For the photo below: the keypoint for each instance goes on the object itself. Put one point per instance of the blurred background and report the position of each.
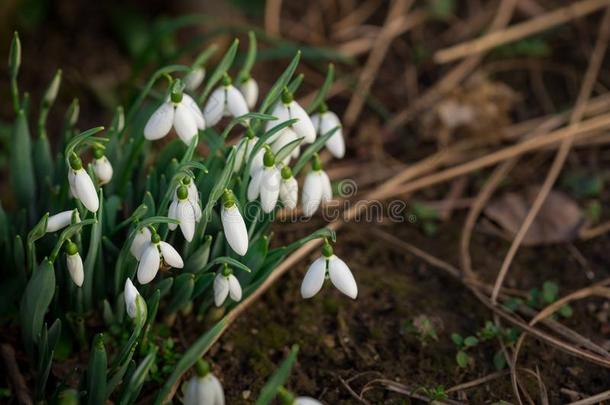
(409, 97)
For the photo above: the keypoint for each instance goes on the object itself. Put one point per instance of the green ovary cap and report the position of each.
(71, 248)
(226, 80)
(75, 162)
(269, 157)
(155, 238)
(182, 192)
(287, 96)
(286, 173)
(202, 368)
(327, 249)
(176, 91)
(228, 198)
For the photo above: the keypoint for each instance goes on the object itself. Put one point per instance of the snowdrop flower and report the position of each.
(316, 189)
(140, 242)
(326, 121)
(194, 78)
(287, 109)
(186, 211)
(226, 100)
(179, 111)
(288, 398)
(289, 189)
(74, 263)
(203, 388)
(61, 220)
(233, 224)
(244, 151)
(226, 284)
(101, 166)
(150, 261)
(266, 183)
(81, 185)
(131, 295)
(328, 265)
(249, 89)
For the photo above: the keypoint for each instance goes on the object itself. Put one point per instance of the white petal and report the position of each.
(255, 185)
(160, 122)
(250, 91)
(234, 288)
(219, 395)
(342, 277)
(257, 162)
(296, 152)
(315, 121)
(289, 193)
(130, 294)
(327, 190)
(214, 108)
(221, 289)
(85, 190)
(312, 193)
(149, 264)
(303, 127)
(75, 267)
(197, 209)
(282, 114)
(306, 401)
(194, 78)
(186, 216)
(235, 229)
(59, 221)
(71, 180)
(314, 278)
(172, 213)
(336, 144)
(286, 136)
(193, 193)
(191, 393)
(236, 104)
(103, 170)
(140, 242)
(270, 188)
(170, 255)
(185, 123)
(240, 154)
(197, 114)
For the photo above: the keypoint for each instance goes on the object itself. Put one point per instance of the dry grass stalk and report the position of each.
(519, 31)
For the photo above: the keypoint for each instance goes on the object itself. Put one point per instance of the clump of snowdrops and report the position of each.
(113, 233)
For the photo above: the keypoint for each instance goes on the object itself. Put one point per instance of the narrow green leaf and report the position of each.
(226, 260)
(313, 148)
(276, 90)
(223, 66)
(181, 292)
(22, 168)
(96, 372)
(244, 73)
(134, 386)
(321, 96)
(287, 149)
(95, 246)
(278, 378)
(199, 259)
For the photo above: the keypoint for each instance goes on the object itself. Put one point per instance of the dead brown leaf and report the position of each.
(559, 220)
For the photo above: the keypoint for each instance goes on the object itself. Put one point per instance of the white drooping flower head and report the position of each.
(288, 398)
(74, 263)
(186, 210)
(225, 285)
(325, 121)
(317, 188)
(152, 254)
(226, 100)
(179, 111)
(249, 89)
(194, 78)
(233, 224)
(101, 166)
(61, 220)
(244, 152)
(81, 185)
(289, 189)
(203, 388)
(131, 295)
(287, 109)
(265, 183)
(328, 265)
